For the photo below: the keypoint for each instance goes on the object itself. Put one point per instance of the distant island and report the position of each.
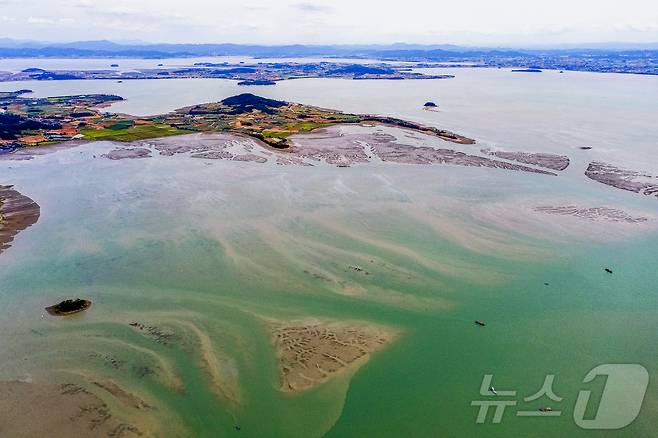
(257, 82)
(256, 74)
(610, 58)
(526, 70)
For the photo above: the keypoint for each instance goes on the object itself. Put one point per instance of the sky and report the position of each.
(467, 22)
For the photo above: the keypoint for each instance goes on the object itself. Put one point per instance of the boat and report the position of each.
(480, 323)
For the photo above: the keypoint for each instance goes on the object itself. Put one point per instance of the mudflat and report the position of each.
(17, 212)
(310, 352)
(63, 410)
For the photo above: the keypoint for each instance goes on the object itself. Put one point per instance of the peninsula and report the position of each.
(30, 122)
(211, 130)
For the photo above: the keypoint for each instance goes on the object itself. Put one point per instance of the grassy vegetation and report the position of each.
(121, 125)
(308, 126)
(294, 128)
(345, 118)
(133, 133)
(277, 134)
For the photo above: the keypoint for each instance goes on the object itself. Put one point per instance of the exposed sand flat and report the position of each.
(224, 381)
(213, 155)
(192, 339)
(162, 369)
(548, 161)
(336, 146)
(124, 153)
(17, 212)
(211, 146)
(331, 146)
(250, 157)
(291, 160)
(344, 149)
(592, 213)
(163, 336)
(390, 151)
(57, 411)
(310, 352)
(200, 142)
(624, 179)
(126, 398)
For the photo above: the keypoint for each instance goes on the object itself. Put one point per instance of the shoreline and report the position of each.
(330, 145)
(17, 212)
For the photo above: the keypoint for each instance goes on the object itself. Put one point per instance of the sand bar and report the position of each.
(310, 352)
(17, 212)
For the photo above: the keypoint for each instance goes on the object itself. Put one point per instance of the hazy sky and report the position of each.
(492, 22)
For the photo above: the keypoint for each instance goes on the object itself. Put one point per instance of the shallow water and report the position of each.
(208, 250)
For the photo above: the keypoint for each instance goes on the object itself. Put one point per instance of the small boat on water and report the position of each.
(493, 390)
(480, 323)
(608, 270)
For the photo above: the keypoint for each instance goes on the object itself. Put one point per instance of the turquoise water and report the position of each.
(211, 250)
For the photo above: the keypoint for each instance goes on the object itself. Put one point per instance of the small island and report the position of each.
(430, 105)
(257, 82)
(527, 70)
(69, 307)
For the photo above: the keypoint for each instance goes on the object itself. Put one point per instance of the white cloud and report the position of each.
(50, 21)
(334, 21)
(312, 7)
(40, 20)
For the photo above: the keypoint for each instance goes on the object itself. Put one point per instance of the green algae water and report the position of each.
(187, 259)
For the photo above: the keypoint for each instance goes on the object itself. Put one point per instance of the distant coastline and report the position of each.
(256, 74)
(633, 59)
